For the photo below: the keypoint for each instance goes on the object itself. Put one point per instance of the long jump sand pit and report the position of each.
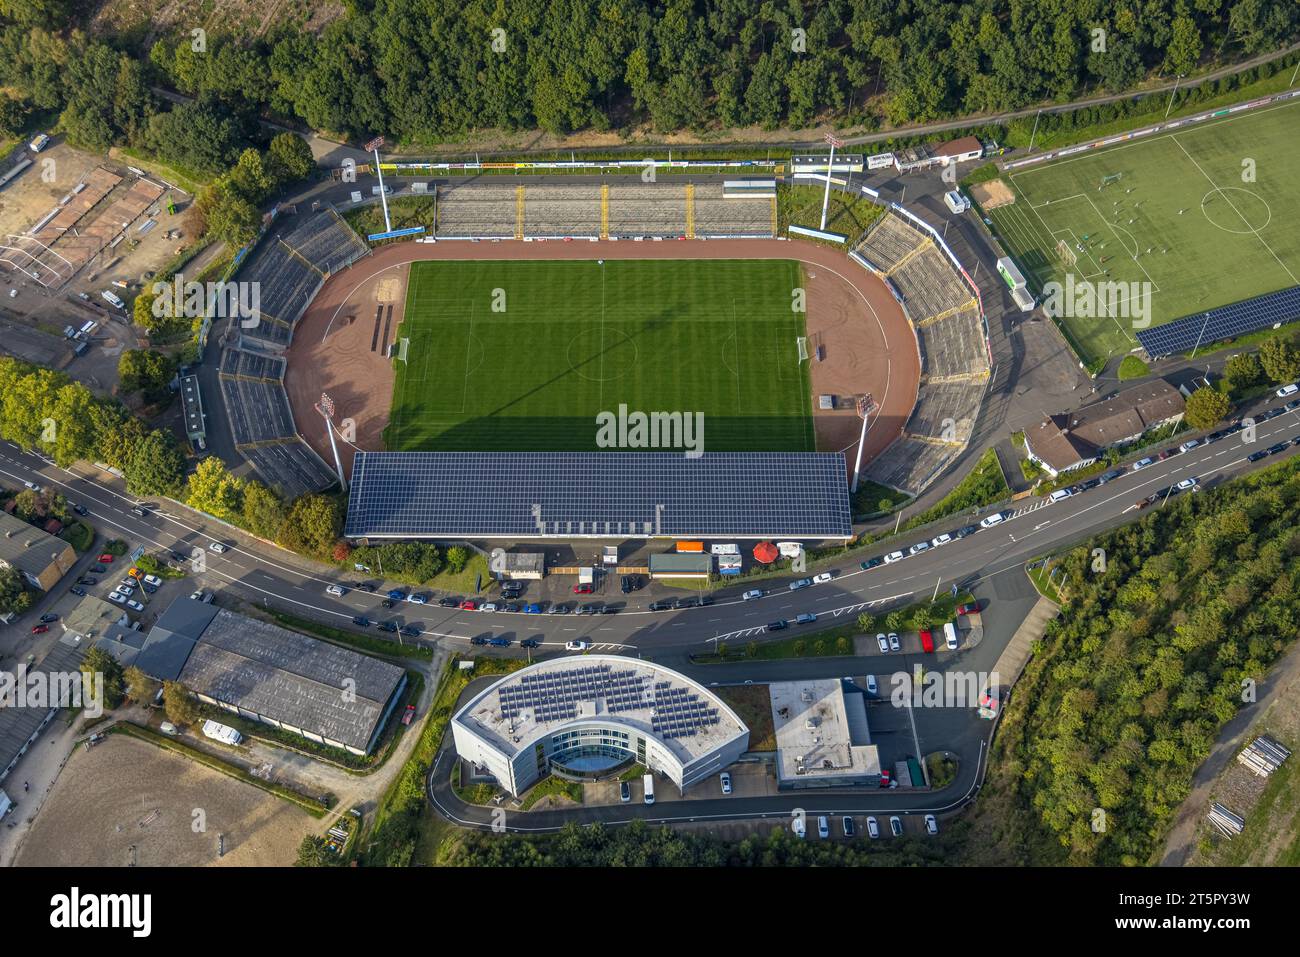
(128, 802)
(992, 194)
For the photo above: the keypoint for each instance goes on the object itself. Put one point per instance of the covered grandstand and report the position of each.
(946, 315)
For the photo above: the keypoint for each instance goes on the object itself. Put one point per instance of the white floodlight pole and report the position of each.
(326, 409)
(830, 166)
(864, 407)
(383, 199)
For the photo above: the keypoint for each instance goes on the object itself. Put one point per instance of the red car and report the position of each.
(40, 629)
(106, 559)
(584, 589)
(927, 641)
(410, 713)
(969, 608)
(469, 604)
(884, 779)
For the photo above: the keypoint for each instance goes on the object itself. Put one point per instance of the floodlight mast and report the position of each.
(830, 166)
(866, 405)
(373, 147)
(326, 408)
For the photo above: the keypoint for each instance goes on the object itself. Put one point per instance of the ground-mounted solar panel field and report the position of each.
(523, 356)
(1206, 214)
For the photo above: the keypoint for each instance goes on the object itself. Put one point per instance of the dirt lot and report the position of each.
(127, 802)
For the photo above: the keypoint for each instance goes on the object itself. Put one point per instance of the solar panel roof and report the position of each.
(598, 494)
(1249, 315)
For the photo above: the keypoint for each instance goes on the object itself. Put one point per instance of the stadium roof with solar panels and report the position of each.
(747, 495)
(683, 715)
(1249, 315)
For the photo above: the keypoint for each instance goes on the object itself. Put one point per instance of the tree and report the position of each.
(313, 525)
(212, 489)
(14, 596)
(922, 618)
(866, 621)
(155, 465)
(289, 158)
(1206, 408)
(13, 114)
(230, 217)
(1242, 371)
(139, 686)
(894, 620)
(1280, 361)
(263, 512)
(457, 558)
(315, 852)
(104, 677)
(178, 704)
(145, 371)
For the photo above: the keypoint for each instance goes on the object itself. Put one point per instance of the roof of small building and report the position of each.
(27, 548)
(964, 144)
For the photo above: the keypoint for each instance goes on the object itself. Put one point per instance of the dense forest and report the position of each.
(421, 71)
(1161, 642)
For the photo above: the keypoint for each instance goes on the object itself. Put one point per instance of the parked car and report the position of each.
(469, 604)
(823, 578)
(872, 563)
(625, 792)
(777, 625)
(873, 829)
(940, 540)
(49, 617)
(997, 518)
(849, 829)
(1279, 447)
(361, 621)
(40, 629)
(488, 606)
(397, 594)
(893, 641)
(883, 642)
(105, 559)
(416, 598)
(969, 608)
(448, 602)
(801, 583)
(966, 531)
(513, 608)
(752, 594)
(559, 608)
(872, 687)
(931, 825)
(366, 587)
(408, 714)
(1109, 476)
(584, 589)
(895, 825)
(894, 557)
(411, 631)
(1060, 495)
(530, 643)
(1187, 484)
(77, 590)
(97, 569)
(807, 618)
(478, 640)
(823, 827)
(216, 547)
(1189, 445)
(338, 591)
(1140, 464)
(577, 645)
(1287, 390)
(660, 605)
(87, 581)
(152, 580)
(927, 640)
(499, 642)
(80, 509)
(918, 548)
(725, 780)
(203, 596)
(134, 605)
(533, 608)
(388, 626)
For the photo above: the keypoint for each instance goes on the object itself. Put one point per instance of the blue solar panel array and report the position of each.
(1250, 315)
(554, 696)
(598, 494)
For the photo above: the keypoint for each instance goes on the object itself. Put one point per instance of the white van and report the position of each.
(956, 202)
(648, 783)
(950, 636)
(111, 298)
(167, 728)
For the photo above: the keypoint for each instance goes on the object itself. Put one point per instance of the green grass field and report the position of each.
(1186, 215)
(522, 356)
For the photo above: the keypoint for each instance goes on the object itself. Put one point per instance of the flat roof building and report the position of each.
(589, 715)
(266, 673)
(524, 495)
(822, 737)
(38, 556)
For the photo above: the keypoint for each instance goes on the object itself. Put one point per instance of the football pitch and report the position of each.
(1206, 214)
(523, 356)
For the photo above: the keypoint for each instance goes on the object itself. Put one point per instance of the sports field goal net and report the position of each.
(1065, 253)
(802, 343)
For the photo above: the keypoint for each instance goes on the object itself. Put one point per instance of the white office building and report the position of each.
(585, 717)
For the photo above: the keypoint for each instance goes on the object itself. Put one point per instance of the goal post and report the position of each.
(1112, 178)
(1066, 254)
(802, 343)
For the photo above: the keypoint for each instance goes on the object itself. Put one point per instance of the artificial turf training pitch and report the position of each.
(1207, 214)
(523, 356)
